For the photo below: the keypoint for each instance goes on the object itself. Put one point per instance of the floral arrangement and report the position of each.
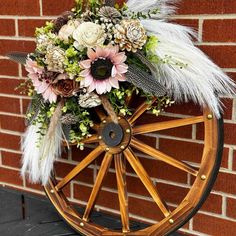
(100, 53)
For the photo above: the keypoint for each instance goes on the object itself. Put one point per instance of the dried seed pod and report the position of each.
(109, 13)
(61, 20)
(69, 119)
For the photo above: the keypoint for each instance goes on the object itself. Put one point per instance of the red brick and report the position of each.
(230, 133)
(10, 176)
(225, 158)
(11, 105)
(81, 192)
(194, 24)
(134, 185)
(183, 132)
(7, 46)
(185, 109)
(20, 7)
(8, 86)
(25, 104)
(62, 169)
(161, 170)
(226, 183)
(11, 159)
(108, 199)
(65, 154)
(213, 226)
(223, 56)
(231, 207)
(24, 72)
(145, 209)
(78, 155)
(27, 27)
(37, 187)
(8, 68)
(234, 160)
(232, 76)
(105, 198)
(227, 107)
(213, 204)
(51, 7)
(7, 27)
(177, 149)
(219, 30)
(171, 193)
(9, 141)
(187, 234)
(207, 7)
(12, 123)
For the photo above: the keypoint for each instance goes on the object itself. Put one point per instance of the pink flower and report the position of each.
(41, 85)
(104, 69)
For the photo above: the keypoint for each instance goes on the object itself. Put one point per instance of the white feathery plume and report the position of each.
(50, 151)
(201, 81)
(51, 145)
(38, 161)
(166, 7)
(31, 153)
(169, 31)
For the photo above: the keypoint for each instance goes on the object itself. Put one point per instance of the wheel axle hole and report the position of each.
(112, 134)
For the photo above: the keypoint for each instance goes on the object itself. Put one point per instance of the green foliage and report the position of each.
(172, 61)
(139, 15)
(150, 47)
(118, 97)
(80, 130)
(26, 88)
(159, 105)
(45, 29)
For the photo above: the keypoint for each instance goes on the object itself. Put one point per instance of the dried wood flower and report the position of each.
(55, 58)
(65, 87)
(130, 35)
(89, 100)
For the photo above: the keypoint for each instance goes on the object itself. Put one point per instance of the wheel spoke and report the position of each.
(146, 180)
(158, 126)
(140, 110)
(122, 191)
(128, 99)
(92, 139)
(97, 186)
(95, 127)
(162, 157)
(102, 116)
(81, 166)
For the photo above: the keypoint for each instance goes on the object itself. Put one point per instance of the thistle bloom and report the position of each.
(41, 86)
(104, 69)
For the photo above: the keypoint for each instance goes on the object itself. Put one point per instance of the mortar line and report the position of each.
(16, 28)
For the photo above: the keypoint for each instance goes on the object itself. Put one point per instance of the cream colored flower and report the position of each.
(67, 30)
(89, 35)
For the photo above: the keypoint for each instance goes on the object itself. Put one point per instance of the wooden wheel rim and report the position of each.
(172, 220)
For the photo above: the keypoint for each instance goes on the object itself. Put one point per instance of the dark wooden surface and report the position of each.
(41, 219)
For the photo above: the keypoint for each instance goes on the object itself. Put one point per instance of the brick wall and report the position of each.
(215, 21)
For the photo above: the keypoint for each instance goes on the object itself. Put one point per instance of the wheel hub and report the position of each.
(114, 138)
(112, 134)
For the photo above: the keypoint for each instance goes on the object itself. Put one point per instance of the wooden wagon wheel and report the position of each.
(118, 142)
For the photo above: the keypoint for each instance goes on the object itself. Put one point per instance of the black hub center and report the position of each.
(112, 134)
